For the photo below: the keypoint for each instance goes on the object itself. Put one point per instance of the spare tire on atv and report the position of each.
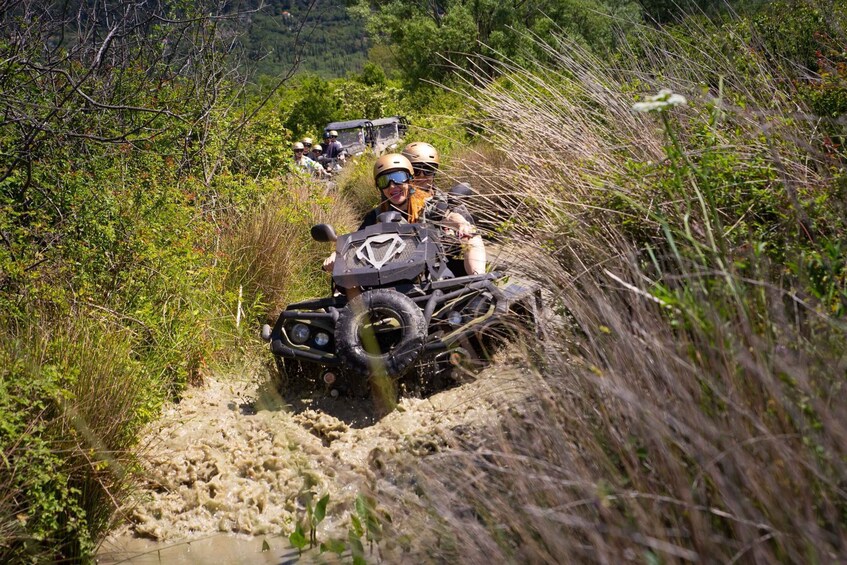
(381, 331)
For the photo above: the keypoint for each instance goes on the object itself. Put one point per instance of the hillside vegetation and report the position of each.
(319, 35)
(691, 404)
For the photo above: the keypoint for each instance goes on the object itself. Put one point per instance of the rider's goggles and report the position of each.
(397, 177)
(425, 171)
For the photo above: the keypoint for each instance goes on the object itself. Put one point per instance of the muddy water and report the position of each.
(232, 466)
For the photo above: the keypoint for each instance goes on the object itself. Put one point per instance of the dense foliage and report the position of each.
(433, 39)
(146, 192)
(126, 162)
(688, 217)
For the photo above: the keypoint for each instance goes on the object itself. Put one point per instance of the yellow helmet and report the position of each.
(420, 153)
(392, 162)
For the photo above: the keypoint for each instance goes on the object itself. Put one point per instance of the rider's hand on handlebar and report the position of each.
(459, 225)
(329, 263)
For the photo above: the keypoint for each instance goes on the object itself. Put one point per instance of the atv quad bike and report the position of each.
(413, 317)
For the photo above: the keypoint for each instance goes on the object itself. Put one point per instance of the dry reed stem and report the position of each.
(710, 429)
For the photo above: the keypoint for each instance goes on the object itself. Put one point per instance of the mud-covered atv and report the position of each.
(413, 319)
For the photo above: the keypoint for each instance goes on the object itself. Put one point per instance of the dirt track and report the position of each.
(234, 458)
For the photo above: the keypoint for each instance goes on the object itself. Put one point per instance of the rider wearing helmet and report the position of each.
(437, 208)
(316, 153)
(332, 147)
(392, 176)
(304, 162)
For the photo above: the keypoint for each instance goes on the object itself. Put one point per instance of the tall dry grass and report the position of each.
(270, 253)
(691, 407)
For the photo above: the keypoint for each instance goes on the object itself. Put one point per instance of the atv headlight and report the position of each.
(454, 318)
(321, 339)
(299, 333)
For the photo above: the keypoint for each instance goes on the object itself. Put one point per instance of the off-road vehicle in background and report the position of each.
(378, 135)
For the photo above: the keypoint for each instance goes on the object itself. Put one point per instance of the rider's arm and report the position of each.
(474, 255)
(472, 244)
(314, 167)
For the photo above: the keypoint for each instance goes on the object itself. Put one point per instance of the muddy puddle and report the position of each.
(231, 468)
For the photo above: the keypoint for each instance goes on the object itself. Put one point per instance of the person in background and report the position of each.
(333, 149)
(316, 154)
(305, 163)
(307, 145)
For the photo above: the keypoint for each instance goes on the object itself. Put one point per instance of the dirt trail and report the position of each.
(235, 459)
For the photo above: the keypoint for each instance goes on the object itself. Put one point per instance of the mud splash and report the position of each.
(231, 468)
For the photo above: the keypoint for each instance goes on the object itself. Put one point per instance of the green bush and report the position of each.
(269, 255)
(72, 400)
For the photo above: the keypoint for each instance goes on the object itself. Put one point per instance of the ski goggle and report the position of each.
(397, 177)
(425, 171)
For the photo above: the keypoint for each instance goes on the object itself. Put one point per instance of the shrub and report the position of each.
(269, 253)
(67, 463)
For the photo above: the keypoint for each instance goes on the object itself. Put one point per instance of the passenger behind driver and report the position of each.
(470, 258)
(393, 177)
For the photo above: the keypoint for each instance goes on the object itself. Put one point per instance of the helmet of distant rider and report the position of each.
(317, 147)
(422, 155)
(307, 141)
(297, 146)
(392, 162)
(333, 133)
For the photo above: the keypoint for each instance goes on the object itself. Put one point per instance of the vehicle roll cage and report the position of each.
(378, 134)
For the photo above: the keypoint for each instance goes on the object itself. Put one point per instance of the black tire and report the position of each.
(380, 332)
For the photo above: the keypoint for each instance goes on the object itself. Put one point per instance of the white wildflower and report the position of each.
(658, 103)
